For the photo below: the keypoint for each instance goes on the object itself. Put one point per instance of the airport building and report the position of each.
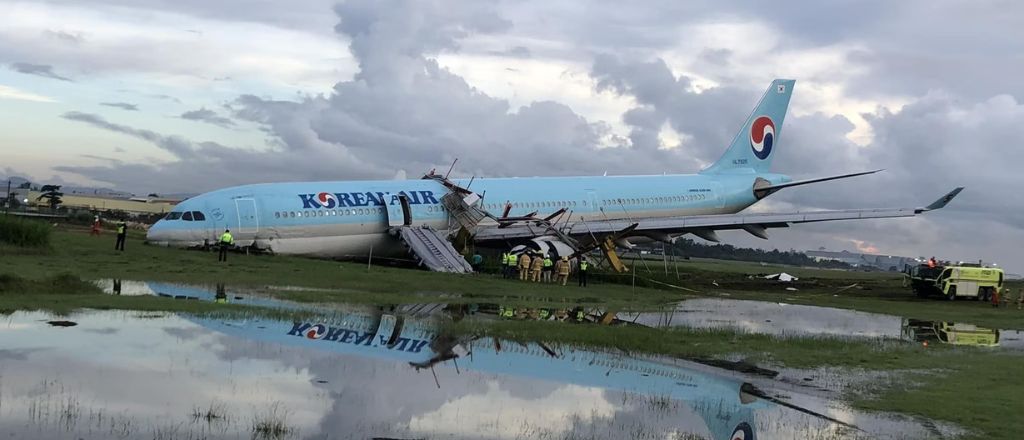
(130, 205)
(890, 263)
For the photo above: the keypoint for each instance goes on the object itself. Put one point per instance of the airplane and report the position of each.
(353, 219)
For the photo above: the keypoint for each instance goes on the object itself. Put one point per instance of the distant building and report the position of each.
(133, 205)
(890, 263)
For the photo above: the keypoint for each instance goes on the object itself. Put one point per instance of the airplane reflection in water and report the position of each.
(727, 404)
(743, 316)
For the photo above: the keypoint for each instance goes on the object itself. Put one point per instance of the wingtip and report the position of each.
(944, 200)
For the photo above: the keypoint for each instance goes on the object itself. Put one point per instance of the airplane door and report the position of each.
(406, 209)
(248, 220)
(400, 214)
(592, 200)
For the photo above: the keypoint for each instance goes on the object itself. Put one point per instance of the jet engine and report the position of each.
(552, 246)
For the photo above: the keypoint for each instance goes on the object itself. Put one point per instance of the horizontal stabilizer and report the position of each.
(766, 190)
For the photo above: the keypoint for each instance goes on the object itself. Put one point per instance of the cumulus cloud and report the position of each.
(209, 117)
(122, 105)
(43, 70)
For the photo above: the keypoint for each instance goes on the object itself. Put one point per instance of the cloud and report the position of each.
(63, 36)
(176, 145)
(43, 70)
(122, 105)
(7, 92)
(209, 117)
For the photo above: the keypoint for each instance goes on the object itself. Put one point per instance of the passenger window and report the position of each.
(198, 216)
(291, 214)
(277, 214)
(187, 216)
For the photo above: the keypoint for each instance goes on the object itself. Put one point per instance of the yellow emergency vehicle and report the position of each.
(952, 282)
(952, 333)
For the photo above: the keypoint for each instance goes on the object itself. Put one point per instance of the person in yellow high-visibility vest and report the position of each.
(582, 274)
(122, 235)
(225, 241)
(504, 264)
(513, 263)
(548, 268)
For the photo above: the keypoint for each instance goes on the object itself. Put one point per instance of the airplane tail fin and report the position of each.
(755, 144)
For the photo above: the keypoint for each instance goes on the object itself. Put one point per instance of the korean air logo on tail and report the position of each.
(762, 136)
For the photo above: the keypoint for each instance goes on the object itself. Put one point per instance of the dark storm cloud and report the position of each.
(209, 117)
(711, 117)
(43, 70)
(122, 105)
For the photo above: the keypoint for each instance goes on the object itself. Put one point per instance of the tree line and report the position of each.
(689, 248)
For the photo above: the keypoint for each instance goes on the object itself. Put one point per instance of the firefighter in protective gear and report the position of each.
(549, 267)
(584, 266)
(225, 240)
(535, 267)
(563, 270)
(524, 267)
(504, 264)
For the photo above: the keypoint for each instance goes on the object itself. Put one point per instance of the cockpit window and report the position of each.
(198, 216)
(173, 215)
(187, 216)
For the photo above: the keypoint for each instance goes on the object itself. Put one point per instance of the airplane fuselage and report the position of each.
(349, 218)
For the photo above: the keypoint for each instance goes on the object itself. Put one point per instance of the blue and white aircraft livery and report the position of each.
(345, 219)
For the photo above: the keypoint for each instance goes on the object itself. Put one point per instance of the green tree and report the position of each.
(52, 195)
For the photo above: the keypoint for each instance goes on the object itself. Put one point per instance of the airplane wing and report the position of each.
(662, 228)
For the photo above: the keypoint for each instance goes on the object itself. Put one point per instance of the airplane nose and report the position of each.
(157, 233)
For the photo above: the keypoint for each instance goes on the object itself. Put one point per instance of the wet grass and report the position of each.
(77, 253)
(979, 391)
(272, 424)
(215, 412)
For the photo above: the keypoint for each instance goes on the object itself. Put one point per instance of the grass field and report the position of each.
(982, 381)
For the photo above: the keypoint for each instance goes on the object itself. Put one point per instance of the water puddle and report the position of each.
(219, 293)
(378, 375)
(779, 319)
(783, 319)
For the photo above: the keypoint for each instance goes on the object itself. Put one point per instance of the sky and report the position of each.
(187, 96)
